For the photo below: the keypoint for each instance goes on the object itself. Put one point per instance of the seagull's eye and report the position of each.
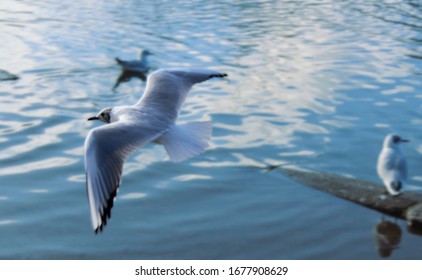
(102, 114)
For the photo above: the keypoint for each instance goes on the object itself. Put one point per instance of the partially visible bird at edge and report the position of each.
(392, 165)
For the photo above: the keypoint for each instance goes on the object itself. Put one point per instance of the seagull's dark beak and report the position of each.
(404, 140)
(92, 118)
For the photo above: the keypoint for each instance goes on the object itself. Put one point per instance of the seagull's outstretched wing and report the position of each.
(167, 89)
(106, 149)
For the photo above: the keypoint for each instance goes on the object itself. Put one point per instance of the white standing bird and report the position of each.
(392, 167)
(129, 127)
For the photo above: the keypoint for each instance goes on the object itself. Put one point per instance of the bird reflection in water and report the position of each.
(126, 76)
(387, 237)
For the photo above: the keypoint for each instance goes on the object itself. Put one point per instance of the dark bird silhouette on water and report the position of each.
(387, 237)
(133, 68)
(126, 76)
(6, 76)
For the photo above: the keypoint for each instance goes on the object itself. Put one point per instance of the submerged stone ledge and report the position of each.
(407, 205)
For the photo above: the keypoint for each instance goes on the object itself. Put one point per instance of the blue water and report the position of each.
(313, 83)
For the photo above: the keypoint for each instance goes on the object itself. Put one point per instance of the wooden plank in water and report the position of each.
(407, 205)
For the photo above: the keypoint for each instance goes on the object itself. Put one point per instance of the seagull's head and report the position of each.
(104, 116)
(393, 140)
(145, 53)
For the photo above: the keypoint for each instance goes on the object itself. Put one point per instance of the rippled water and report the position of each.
(306, 78)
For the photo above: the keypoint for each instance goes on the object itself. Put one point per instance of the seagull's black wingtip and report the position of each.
(99, 229)
(218, 75)
(106, 212)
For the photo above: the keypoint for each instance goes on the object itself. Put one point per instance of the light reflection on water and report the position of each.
(306, 78)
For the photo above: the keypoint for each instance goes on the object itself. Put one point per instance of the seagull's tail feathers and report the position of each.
(119, 61)
(394, 187)
(183, 141)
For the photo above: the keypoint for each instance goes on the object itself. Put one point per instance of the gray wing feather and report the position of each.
(398, 168)
(167, 88)
(106, 149)
(392, 167)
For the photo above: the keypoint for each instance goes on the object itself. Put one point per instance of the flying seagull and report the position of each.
(129, 127)
(392, 167)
